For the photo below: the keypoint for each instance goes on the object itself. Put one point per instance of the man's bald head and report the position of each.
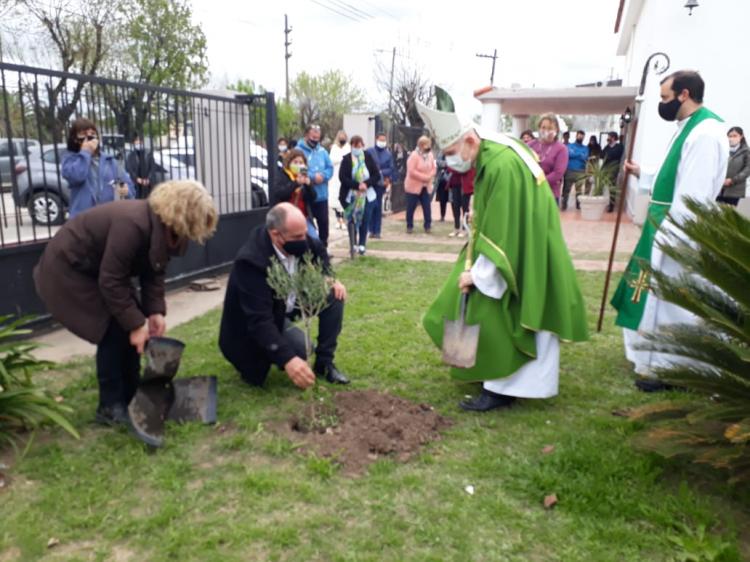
(283, 217)
(285, 223)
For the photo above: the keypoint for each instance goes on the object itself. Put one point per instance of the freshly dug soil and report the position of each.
(358, 427)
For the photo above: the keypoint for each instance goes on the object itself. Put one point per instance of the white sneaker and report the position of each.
(362, 250)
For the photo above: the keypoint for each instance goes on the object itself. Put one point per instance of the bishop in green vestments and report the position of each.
(522, 286)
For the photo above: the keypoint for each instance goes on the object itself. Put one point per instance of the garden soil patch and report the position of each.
(356, 428)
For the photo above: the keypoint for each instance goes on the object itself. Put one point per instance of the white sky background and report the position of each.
(542, 43)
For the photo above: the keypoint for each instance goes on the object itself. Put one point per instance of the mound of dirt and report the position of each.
(358, 427)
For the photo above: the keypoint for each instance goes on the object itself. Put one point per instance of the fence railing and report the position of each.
(224, 140)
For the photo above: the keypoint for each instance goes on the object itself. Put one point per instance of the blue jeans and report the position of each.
(377, 213)
(411, 203)
(366, 221)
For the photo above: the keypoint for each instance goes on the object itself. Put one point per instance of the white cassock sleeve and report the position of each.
(487, 278)
(701, 173)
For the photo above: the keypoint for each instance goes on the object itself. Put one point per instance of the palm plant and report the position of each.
(598, 177)
(23, 405)
(711, 425)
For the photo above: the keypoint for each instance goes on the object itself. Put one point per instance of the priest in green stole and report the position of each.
(522, 287)
(695, 166)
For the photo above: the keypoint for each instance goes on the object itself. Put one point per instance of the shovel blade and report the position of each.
(149, 408)
(194, 400)
(460, 343)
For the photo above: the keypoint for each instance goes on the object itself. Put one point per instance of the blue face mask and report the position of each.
(357, 152)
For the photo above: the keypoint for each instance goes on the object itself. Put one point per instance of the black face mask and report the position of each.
(669, 110)
(579, 141)
(342, 142)
(296, 248)
(312, 143)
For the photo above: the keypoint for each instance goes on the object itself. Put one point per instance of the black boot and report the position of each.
(114, 415)
(331, 374)
(487, 401)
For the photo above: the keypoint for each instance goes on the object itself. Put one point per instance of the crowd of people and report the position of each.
(122, 226)
(565, 163)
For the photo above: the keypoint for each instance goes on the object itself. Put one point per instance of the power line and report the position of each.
(379, 9)
(494, 58)
(335, 11)
(357, 11)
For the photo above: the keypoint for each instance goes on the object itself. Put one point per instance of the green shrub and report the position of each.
(711, 424)
(23, 405)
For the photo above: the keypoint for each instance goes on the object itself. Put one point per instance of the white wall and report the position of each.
(713, 41)
(362, 124)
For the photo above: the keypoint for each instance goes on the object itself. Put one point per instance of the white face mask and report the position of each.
(282, 148)
(456, 163)
(380, 144)
(733, 144)
(546, 135)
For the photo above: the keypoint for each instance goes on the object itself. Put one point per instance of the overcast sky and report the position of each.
(547, 43)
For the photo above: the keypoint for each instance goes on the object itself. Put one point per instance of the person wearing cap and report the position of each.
(521, 286)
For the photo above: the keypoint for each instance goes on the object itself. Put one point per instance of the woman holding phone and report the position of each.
(93, 177)
(294, 186)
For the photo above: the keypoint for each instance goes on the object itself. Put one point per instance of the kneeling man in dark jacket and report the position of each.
(256, 326)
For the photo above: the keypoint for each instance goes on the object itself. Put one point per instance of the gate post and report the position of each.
(271, 140)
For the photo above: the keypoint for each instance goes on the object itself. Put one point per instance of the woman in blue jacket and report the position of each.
(93, 178)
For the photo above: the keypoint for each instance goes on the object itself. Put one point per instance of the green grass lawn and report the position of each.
(237, 491)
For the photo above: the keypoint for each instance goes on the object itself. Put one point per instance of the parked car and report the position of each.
(41, 187)
(19, 149)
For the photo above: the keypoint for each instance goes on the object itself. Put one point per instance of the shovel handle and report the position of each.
(462, 307)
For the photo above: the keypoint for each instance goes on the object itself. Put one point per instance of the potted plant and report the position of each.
(597, 180)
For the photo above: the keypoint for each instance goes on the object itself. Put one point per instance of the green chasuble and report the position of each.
(516, 225)
(630, 298)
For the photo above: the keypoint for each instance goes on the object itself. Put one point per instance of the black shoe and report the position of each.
(611, 208)
(112, 416)
(487, 401)
(331, 374)
(655, 385)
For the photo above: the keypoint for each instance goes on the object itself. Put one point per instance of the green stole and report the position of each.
(632, 292)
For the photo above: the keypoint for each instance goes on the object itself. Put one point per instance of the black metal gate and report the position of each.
(224, 140)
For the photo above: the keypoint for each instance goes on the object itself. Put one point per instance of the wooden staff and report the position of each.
(658, 69)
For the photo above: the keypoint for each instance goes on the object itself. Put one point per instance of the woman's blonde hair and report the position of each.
(186, 207)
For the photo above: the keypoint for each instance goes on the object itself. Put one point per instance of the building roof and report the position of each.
(568, 101)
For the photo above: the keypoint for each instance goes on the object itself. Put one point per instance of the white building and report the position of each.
(713, 41)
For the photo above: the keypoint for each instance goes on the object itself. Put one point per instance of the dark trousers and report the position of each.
(411, 204)
(728, 200)
(570, 179)
(376, 221)
(459, 203)
(320, 212)
(366, 224)
(443, 196)
(118, 367)
(255, 365)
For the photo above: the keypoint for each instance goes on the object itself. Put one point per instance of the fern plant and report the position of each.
(23, 405)
(711, 425)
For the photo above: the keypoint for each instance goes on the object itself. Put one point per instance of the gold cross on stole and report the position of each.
(640, 285)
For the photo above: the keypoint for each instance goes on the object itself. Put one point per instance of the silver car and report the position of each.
(41, 186)
(18, 149)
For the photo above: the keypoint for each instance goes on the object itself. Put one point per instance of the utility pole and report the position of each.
(390, 99)
(287, 54)
(494, 58)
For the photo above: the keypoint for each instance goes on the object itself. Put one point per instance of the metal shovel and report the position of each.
(460, 341)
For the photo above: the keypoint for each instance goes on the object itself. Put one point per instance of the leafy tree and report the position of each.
(711, 424)
(159, 46)
(288, 120)
(324, 99)
(78, 37)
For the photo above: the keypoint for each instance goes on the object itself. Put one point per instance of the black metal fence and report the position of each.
(225, 141)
